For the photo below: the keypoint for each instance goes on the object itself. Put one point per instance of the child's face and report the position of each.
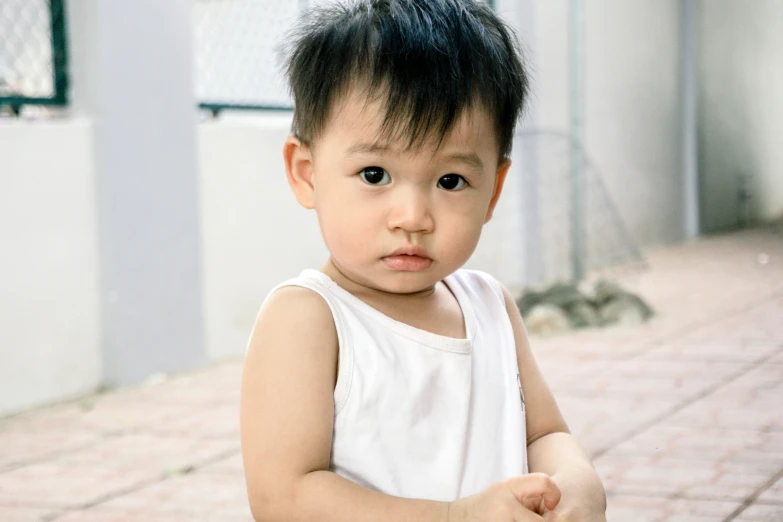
(394, 220)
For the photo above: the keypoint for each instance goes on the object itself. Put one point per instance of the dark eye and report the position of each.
(452, 182)
(375, 176)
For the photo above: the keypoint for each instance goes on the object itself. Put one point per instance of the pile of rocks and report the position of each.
(564, 307)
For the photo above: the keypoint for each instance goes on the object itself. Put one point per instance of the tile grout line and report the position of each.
(642, 493)
(695, 325)
(101, 437)
(753, 497)
(143, 484)
(704, 393)
(670, 337)
(685, 403)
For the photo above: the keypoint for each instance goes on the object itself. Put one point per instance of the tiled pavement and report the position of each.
(683, 415)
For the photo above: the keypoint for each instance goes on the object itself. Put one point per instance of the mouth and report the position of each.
(410, 258)
(409, 250)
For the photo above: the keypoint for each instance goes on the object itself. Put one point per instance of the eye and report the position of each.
(452, 182)
(375, 176)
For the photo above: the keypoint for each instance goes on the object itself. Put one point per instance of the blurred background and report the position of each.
(144, 211)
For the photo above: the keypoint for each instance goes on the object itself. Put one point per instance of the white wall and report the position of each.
(255, 234)
(632, 137)
(500, 247)
(741, 129)
(138, 92)
(49, 327)
(633, 112)
(632, 123)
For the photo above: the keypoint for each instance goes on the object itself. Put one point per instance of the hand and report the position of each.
(570, 514)
(567, 512)
(577, 504)
(519, 499)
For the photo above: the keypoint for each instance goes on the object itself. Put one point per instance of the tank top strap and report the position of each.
(310, 279)
(476, 282)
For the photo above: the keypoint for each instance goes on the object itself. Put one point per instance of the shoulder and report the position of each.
(294, 338)
(298, 299)
(294, 315)
(478, 280)
(487, 289)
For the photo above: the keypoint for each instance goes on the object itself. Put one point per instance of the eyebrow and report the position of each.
(470, 159)
(368, 148)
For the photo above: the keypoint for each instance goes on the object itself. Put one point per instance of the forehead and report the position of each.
(358, 118)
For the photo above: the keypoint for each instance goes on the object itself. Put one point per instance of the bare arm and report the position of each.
(560, 456)
(287, 417)
(551, 447)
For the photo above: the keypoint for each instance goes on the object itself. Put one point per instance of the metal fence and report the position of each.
(580, 232)
(33, 53)
(236, 50)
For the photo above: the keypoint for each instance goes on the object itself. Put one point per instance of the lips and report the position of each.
(409, 250)
(410, 258)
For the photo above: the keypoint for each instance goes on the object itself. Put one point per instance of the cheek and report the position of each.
(467, 213)
(348, 224)
(461, 228)
(462, 240)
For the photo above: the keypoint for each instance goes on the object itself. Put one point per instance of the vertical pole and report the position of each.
(689, 87)
(576, 97)
(59, 52)
(530, 227)
(522, 185)
(137, 89)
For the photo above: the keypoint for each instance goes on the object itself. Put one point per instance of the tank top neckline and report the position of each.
(413, 333)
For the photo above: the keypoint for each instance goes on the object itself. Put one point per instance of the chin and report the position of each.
(391, 281)
(409, 282)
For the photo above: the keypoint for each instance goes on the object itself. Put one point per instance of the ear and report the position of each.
(500, 179)
(299, 170)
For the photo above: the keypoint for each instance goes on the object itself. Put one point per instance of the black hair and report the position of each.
(429, 59)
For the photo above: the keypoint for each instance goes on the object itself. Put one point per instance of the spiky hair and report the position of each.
(427, 61)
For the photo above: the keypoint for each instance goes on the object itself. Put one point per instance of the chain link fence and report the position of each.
(576, 232)
(236, 44)
(236, 51)
(235, 47)
(33, 53)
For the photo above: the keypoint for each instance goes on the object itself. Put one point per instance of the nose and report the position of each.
(411, 212)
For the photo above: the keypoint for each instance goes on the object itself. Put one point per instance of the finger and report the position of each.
(533, 502)
(525, 515)
(536, 485)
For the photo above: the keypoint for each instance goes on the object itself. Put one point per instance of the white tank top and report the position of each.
(421, 415)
